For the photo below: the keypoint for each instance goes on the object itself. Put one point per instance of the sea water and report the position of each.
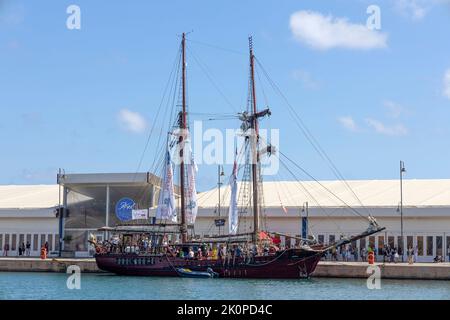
(48, 286)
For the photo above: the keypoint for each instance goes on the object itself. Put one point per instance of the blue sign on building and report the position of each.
(124, 208)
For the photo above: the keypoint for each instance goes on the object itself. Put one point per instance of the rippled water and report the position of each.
(20, 286)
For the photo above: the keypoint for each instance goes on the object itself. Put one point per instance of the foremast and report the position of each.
(254, 145)
(183, 129)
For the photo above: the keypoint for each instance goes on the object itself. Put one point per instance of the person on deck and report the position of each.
(191, 253)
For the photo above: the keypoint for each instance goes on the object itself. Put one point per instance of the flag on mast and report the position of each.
(233, 210)
(166, 203)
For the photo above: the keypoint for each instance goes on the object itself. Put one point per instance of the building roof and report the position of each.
(372, 193)
(29, 197)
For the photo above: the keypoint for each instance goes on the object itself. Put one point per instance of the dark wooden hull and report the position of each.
(287, 264)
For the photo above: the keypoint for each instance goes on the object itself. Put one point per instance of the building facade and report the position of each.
(92, 201)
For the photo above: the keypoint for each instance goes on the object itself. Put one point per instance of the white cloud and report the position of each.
(131, 121)
(305, 78)
(395, 110)
(326, 32)
(417, 9)
(413, 8)
(394, 130)
(447, 84)
(348, 123)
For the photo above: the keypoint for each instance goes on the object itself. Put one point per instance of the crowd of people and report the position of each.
(144, 243)
(23, 249)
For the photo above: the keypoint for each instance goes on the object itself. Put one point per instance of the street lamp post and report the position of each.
(402, 170)
(305, 223)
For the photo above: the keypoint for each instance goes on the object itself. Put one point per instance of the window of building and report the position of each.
(141, 195)
(448, 246)
(391, 241)
(372, 242)
(21, 239)
(7, 240)
(410, 242)
(86, 207)
(380, 245)
(42, 240)
(429, 245)
(332, 238)
(399, 244)
(29, 239)
(439, 245)
(50, 242)
(14, 242)
(420, 245)
(321, 238)
(57, 242)
(35, 242)
(1, 242)
(362, 243)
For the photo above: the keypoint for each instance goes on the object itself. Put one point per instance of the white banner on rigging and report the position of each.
(191, 190)
(166, 203)
(233, 210)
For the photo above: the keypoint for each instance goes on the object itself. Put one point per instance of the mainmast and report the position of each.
(254, 145)
(183, 127)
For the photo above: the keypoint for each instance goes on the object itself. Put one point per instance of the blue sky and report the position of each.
(370, 97)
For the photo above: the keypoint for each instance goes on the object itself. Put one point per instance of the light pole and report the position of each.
(305, 227)
(402, 170)
(220, 174)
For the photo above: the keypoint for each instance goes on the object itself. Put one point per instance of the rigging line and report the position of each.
(172, 93)
(140, 194)
(313, 141)
(262, 87)
(204, 68)
(217, 47)
(156, 117)
(322, 209)
(336, 196)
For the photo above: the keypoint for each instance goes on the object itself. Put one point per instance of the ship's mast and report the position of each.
(254, 144)
(183, 127)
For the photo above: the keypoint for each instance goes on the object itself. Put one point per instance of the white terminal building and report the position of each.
(29, 213)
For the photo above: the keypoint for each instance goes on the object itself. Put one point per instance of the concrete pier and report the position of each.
(47, 265)
(417, 271)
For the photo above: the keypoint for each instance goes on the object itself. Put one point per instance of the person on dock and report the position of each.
(5, 249)
(410, 255)
(363, 254)
(28, 249)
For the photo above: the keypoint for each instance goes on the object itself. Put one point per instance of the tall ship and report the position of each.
(166, 245)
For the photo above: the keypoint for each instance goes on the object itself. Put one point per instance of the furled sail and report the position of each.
(191, 194)
(166, 203)
(233, 210)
